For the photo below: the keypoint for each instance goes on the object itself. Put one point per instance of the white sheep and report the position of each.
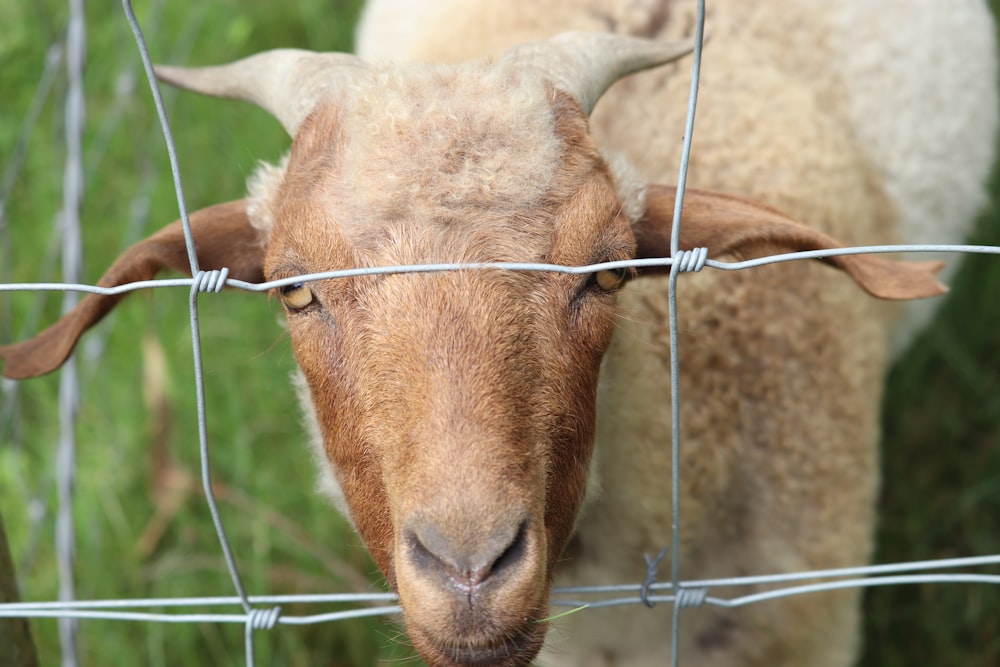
(455, 413)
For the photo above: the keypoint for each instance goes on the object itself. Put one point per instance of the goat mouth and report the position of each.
(516, 647)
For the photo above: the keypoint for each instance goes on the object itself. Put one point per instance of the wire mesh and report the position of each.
(266, 612)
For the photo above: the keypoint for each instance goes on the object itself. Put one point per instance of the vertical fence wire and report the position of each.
(675, 402)
(193, 302)
(72, 260)
(201, 282)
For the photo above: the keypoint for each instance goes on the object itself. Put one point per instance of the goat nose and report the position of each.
(468, 559)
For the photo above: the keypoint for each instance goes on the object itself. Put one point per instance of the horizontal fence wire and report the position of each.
(257, 612)
(603, 596)
(214, 283)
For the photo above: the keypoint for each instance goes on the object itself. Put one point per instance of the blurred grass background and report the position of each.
(143, 527)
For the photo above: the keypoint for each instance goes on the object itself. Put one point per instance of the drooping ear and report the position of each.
(223, 237)
(728, 224)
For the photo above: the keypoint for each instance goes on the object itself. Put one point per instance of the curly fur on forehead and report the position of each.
(446, 141)
(436, 142)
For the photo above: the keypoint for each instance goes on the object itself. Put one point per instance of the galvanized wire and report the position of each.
(198, 285)
(689, 261)
(675, 397)
(72, 268)
(691, 593)
(266, 612)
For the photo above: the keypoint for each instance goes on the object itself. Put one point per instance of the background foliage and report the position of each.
(143, 528)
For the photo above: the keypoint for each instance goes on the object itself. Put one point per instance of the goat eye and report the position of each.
(609, 279)
(296, 296)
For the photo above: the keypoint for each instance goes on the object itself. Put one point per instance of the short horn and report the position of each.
(585, 64)
(287, 83)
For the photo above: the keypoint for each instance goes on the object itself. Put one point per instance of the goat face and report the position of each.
(456, 409)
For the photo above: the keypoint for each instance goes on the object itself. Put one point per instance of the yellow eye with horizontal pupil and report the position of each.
(296, 296)
(609, 279)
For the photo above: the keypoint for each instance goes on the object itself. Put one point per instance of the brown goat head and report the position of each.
(456, 409)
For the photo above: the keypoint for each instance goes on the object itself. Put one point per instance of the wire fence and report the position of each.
(266, 612)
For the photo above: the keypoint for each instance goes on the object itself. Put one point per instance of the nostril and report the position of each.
(514, 553)
(467, 561)
(424, 559)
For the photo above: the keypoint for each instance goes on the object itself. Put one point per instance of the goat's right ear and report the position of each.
(728, 224)
(223, 237)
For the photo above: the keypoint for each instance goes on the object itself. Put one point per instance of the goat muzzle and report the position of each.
(473, 589)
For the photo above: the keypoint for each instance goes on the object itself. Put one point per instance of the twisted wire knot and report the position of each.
(691, 597)
(652, 565)
(210, 281)
(691, 260)
(263, 619)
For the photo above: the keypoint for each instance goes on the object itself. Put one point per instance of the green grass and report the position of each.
(942, 416)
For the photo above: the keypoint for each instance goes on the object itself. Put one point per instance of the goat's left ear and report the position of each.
(727, 224)
(223, 237)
